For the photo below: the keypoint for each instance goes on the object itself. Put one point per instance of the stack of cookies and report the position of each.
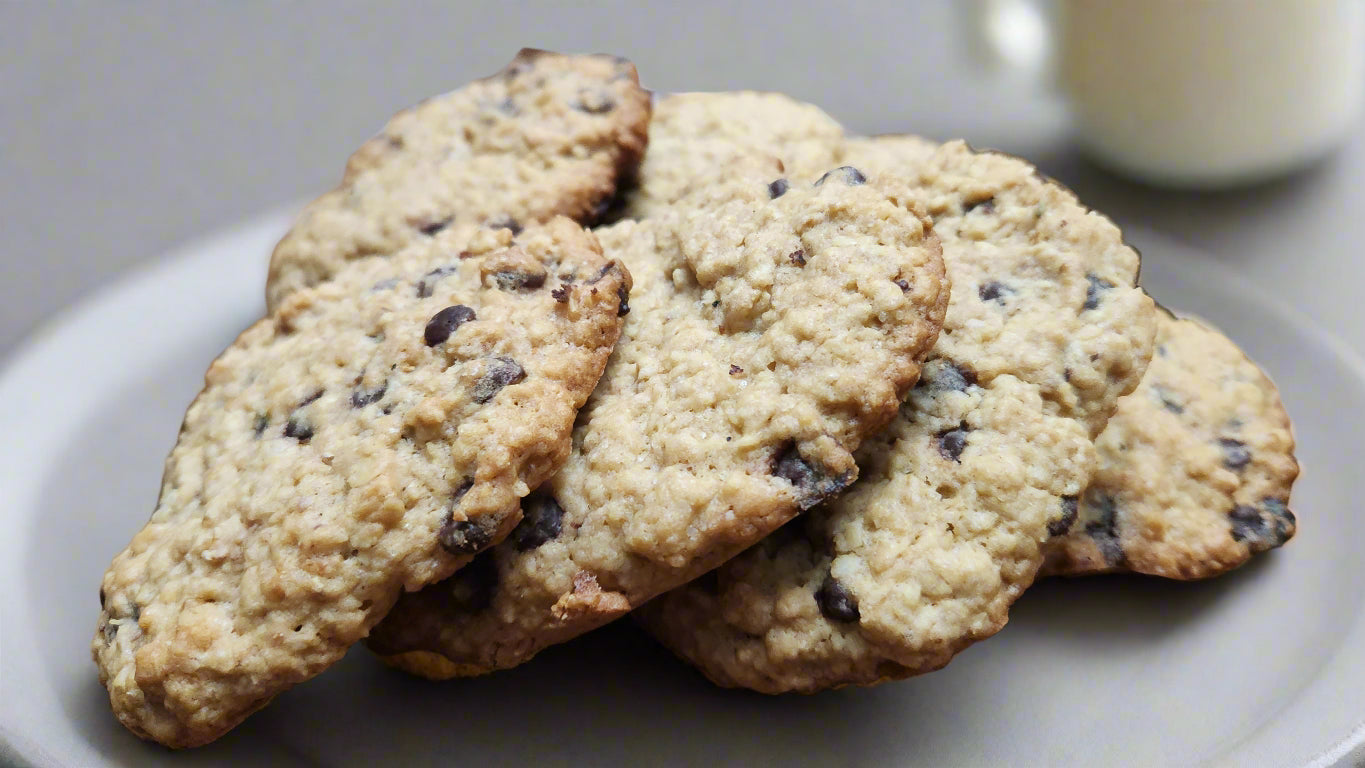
(816, 409)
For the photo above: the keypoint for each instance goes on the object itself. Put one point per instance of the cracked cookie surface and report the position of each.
(549, 135)
(1195, 467)
(772, 328)
(946, 526)
(371, 436)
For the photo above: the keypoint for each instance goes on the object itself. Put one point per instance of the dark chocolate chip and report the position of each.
(986, 204)
(102, 598)
(517, 281)
(444, 323)
(542, 522)
(110, 631)
(1104, 530)
(504, 371)
(472, 587)
(778, 188)
(1097, 286)
(432, 227)
(1168, 401)
(797, 257)
(603, 272)
(311, 398)
(1247, 524)
(427, 284)
(835, 601)
(1235, 453)
(903, 284)
(715, 303)
(258, 426)
(463, 537)
(735, 370)
(1070, 508)
(299, 428)
(951, 443)
(622, 300)
(1285, 523)
(384, 285)
(813, 483)
(361, 396)
(950, 377)
(850, 176)
(594, 101)
(560, 294)
(506, 222)
(993, 290)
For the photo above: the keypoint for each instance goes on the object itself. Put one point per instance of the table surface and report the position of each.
(124, 134)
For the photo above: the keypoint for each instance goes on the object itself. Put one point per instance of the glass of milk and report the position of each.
(1191, 93)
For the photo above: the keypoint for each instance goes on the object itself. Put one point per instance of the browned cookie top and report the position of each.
(1195, 468)
(372, 436)
(549, 135)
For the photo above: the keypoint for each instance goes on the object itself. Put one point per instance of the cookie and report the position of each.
(372, 436)
(693, 136)
(772, 328)
(1195, 467)
(946, 526)
(549, 135)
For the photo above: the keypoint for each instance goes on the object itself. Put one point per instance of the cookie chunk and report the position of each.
(549, 135)
(696, 137)
(769, 333)
(372, 436)
(946, 526)
(1195, 468)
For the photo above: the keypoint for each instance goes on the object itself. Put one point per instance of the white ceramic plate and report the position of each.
(1265, 666)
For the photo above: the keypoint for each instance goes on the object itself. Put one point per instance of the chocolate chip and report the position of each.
(384, 285)
(951, 442)
(427, 284)
(1285, 523)
(299, 428)
(903, 284)
(1247, 524)
(463, 537)
(432, 227)
(1070, 508)
(1168, 401)
(735, 370)
(517, 281)
(506, 222)
(1235, 453)
(603, 272)
(504, 371)
(850, 176)
(778, 188)
(311, 398)
(797, 257)
(110, 631)
(594, 101)
(992, 290)
(1097, 286)
(361, 397)
(836, 604)
(715, 303)
(543, 520)
(101, 598)
(622, 300)
(986, 204)
(813, 483)
(560, 294)
(258, 426)
(1104, 530)
(444, 323)
(472, 587)
(951, 377)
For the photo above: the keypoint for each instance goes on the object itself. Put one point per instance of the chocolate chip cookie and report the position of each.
(1195, 468)
(549, 135)
(774, 324)
(989, 455)
(696, 136)
(371, 436)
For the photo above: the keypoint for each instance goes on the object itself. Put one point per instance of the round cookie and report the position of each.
(694, 136)
(1195, 467)
(370, 437)
(773, 327)
(549, 135)
(946, 526)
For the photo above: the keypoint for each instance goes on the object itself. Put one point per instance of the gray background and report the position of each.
(129, 128)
